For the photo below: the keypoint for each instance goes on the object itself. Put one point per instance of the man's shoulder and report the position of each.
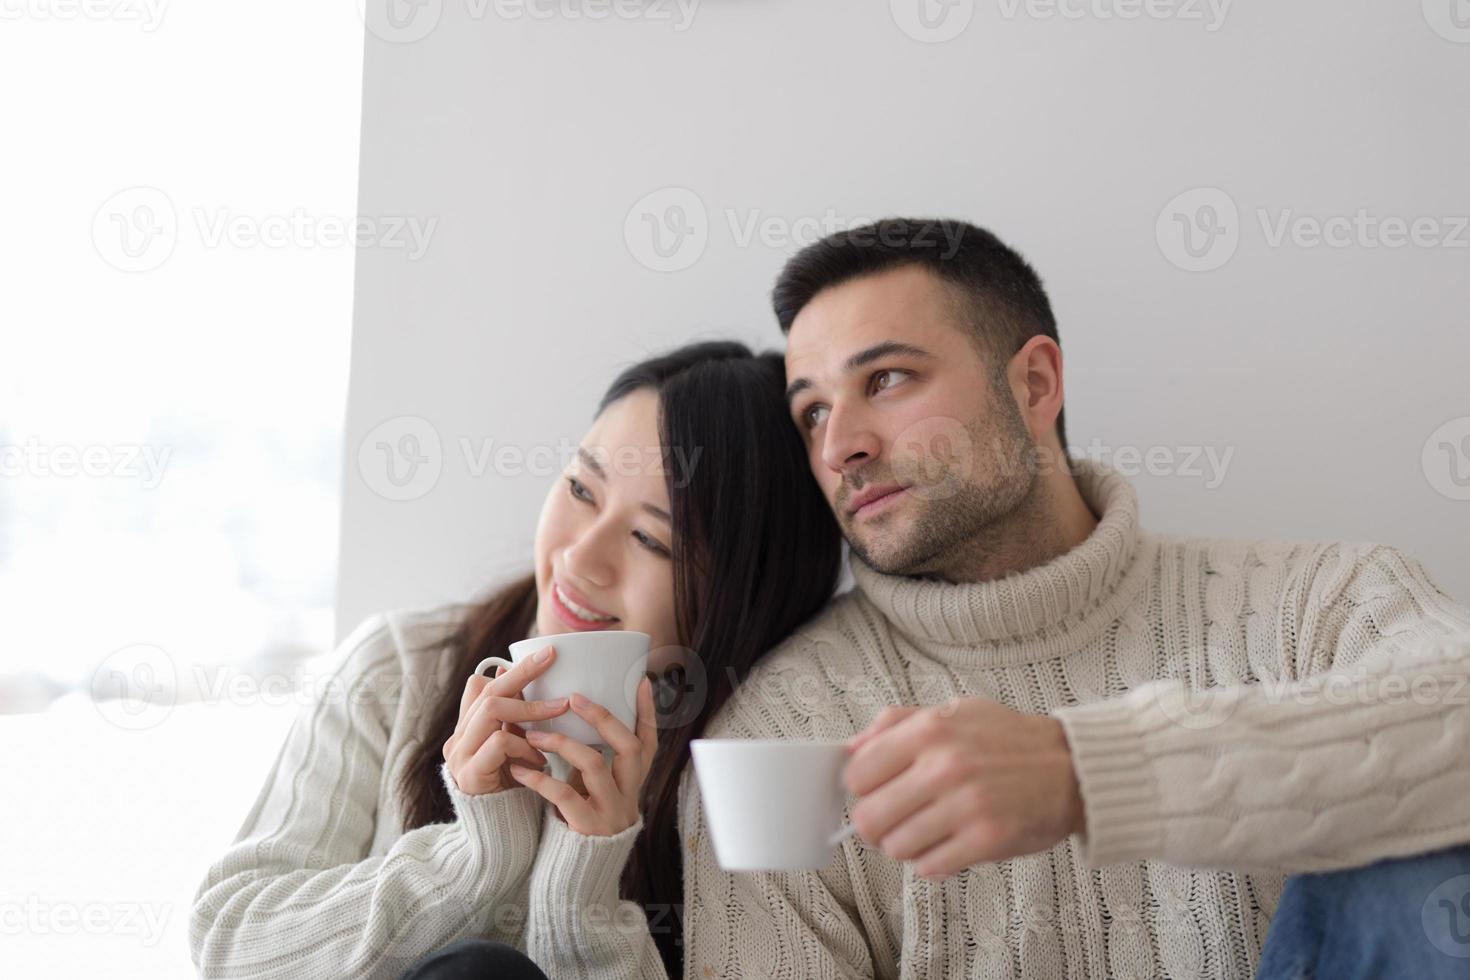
(1292, 574)
(832, 635)
(1225, 555)
(806, 677)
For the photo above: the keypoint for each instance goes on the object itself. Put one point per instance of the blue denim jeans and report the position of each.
(1401, 917)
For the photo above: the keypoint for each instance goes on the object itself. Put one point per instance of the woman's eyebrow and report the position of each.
(591, 463)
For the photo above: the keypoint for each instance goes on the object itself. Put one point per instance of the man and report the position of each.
(1078, 748)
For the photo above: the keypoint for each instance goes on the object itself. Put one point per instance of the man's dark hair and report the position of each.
(1001, 299)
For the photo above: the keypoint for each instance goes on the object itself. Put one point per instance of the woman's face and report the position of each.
(603, 542)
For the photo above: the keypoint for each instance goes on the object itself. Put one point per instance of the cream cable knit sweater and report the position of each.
(1335, 730)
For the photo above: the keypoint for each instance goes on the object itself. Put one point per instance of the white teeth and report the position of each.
(581, 613)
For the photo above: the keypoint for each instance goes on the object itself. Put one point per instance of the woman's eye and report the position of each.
(650, 543)
(577, 490)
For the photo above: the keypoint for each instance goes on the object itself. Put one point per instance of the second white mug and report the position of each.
(772, 804)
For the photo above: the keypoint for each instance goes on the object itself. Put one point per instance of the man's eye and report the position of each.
(577, 490)
(809, 417)
(893, 374)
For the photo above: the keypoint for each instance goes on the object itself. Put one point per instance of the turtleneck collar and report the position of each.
(1032, 607)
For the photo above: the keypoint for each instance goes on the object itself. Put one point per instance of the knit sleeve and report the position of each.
(1355, 753)
(748, 925)
(295, 896)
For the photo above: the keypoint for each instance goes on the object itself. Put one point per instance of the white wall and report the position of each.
(532, 140)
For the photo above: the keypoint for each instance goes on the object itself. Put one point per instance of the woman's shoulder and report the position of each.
(398, 641)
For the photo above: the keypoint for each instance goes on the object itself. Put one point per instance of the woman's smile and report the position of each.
(567, 607)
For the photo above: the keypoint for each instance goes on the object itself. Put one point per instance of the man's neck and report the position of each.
(1051, 523)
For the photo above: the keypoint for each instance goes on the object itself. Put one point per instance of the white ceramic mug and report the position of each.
(772, 804)
(604, 666)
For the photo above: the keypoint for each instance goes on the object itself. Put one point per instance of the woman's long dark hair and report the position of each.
(755, 554)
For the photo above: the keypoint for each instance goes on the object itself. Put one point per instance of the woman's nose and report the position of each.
(591, 557)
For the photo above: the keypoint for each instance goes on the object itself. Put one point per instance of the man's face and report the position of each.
(917, 446)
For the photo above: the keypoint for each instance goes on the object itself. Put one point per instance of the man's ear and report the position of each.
(1035, 376)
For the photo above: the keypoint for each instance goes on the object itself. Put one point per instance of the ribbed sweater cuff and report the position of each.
(501, 830)
(575, 880)
(1120, 798)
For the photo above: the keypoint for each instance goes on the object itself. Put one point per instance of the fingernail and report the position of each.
(543, 655)
(535, 737)
(578, 701)
(518, 771)
(555, 704)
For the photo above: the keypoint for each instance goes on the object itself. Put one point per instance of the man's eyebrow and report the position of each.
(591, 463)
(864, 357)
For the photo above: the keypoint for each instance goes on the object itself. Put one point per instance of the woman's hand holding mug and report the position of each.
(610, 803)
(488, 734)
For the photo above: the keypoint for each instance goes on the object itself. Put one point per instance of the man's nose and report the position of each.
(848, 441)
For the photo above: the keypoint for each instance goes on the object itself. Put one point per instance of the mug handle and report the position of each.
(847, 831)
(493, 661)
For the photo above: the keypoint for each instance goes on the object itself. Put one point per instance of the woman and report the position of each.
(398, 821)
